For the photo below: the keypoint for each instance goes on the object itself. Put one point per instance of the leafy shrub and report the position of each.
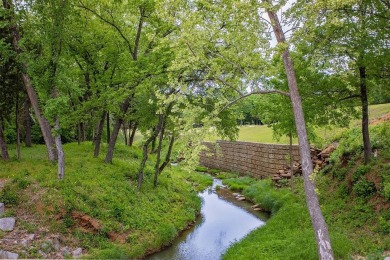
(339, 174)
(201, 168)
(364, 188)
(360, 171)
(9, 195)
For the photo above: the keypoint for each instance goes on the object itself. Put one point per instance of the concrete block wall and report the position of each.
(255, 159)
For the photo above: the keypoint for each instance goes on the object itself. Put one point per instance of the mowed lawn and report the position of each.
(264, 134)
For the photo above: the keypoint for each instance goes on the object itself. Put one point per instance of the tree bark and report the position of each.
(160, 141)
(3, 145)
(82, 131)
(115, 132)
(43, 123)
(124, 129)
(291, 164)
(168, 155)
(318, 222)
(17, 127)
(99, 133)
(145, 151)
(133, 131)
(108, 127)
(27, 123)
(365, 132)
(61, 155)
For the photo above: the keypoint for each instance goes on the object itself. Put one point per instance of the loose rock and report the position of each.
(77, 252)
(7, 224)
(1, 208)
(8, 255)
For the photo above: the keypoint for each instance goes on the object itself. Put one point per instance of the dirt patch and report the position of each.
(85, 222)
(380, 119)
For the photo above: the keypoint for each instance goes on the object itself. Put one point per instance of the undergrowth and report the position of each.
(146, 220)
(354, 198)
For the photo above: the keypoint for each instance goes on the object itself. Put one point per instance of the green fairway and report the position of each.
(264, 134)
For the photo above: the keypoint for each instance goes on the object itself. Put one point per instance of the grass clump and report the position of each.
(239, 184)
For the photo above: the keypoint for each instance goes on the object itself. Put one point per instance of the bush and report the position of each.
(364, 188)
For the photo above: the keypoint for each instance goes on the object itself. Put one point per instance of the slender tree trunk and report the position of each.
(43, 123)
(291, 164)
(115, 132)
(17, 127)
(99, 133)
(27, 123)
(160, 141)
(153, 150)
(145, 151)
(3, 145)
(108, 127)
(78, 134)
(61, 155)
(82, 131)
(124, 129)
(133, 131)
(365, 132)
(168, 155)
(318, 222)
(111, 145)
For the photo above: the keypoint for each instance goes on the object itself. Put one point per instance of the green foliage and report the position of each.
(364, 188)
(10, 195)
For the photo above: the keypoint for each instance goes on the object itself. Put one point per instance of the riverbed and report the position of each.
(223, 221)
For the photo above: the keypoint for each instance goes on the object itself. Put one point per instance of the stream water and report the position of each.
(223, 221)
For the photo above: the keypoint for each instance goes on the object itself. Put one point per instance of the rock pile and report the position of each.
(319, 158)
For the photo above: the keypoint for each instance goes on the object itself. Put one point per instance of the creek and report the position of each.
(223, 221)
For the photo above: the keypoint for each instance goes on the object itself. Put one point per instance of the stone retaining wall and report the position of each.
(256, 159)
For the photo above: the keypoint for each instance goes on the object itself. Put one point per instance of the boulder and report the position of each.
(7, 224)
(8, 255)
(77, 252)
(241, 198)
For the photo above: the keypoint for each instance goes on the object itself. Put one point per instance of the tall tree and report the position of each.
(32, 94)
(318, 222)
(353, 37)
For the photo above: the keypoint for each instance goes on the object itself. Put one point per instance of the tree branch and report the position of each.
(258, 92)
(109, 23)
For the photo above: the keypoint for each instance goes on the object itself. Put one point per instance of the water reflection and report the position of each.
(221, 224)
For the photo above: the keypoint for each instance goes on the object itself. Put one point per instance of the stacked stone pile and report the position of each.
(320, 159)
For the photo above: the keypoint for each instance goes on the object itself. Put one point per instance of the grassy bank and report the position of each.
(355, 200)
(97, 206)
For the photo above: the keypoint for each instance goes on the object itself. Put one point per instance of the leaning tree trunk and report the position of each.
(43, 123)
(133, 131)
(159, 147)
(108, 127)
(168, 155)
(365, 132)
(3, 145)
(27, 123)
(318, 222)
(124, 129)
(99, 133)
(115, 132)
(61, 155)
(145, 151)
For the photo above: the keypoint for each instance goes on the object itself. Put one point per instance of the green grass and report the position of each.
(288, 233)
(354, 199)
(264, 134)
(148, 219)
